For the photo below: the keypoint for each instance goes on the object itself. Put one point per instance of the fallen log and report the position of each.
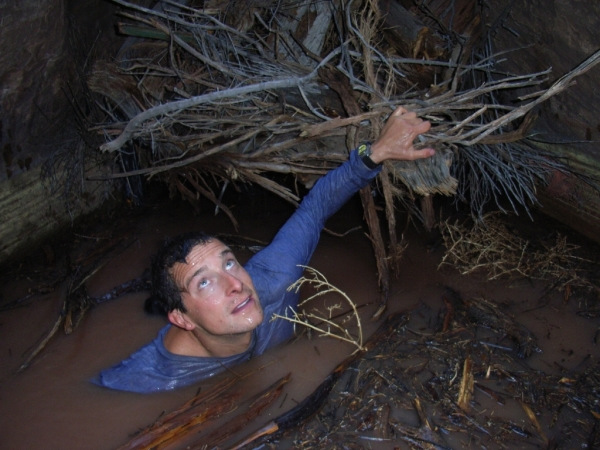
(257, 406)
(201, 411)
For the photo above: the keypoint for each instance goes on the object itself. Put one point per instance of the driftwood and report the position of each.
(208, 99)
(467, 382)
(201, 411)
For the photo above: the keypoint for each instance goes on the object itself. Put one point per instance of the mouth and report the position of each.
(243, 305)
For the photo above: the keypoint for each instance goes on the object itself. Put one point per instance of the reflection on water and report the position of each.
(51, 404)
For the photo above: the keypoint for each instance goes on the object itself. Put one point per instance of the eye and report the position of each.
(202, 283)
(230, 263)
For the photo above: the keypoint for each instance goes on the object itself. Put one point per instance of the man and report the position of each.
(219, 311)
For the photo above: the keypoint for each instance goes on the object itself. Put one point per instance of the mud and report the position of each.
(52, 404)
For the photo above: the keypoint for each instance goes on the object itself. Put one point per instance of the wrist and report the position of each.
(377, 152)
(365, 153)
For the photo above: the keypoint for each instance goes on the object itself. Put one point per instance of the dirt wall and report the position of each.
(46, 46)
(559, 34)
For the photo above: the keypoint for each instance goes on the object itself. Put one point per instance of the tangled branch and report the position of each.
(324, 323)
(214, 97)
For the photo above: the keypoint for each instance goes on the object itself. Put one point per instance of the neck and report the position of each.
(192, 343)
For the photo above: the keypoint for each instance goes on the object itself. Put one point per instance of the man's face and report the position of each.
(217, 292)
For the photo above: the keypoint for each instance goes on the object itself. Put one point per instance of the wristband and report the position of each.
(364, 151)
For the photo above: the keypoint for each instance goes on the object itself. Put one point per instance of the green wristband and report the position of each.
(364, 151)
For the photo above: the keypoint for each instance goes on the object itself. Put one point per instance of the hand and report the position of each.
(397, 137)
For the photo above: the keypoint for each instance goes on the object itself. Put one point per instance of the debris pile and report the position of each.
(211, 96)
(463, 382)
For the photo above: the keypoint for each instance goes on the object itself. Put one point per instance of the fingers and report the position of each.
(405, 113)
(399, 111)
(398, 135)
(411, 117)
(423, 153)
(422, 127)
(417, 125)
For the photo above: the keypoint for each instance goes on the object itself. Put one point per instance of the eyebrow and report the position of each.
(224, 252)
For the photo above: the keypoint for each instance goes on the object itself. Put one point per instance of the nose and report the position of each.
(233, 284)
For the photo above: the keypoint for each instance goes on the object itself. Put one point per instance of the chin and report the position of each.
(254, 322)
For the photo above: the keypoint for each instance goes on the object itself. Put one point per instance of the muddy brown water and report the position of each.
(52, 405)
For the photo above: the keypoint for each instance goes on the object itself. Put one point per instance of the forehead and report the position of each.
(200, 257)
(200, 252)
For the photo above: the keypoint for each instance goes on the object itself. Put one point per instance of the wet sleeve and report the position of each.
(276, 267)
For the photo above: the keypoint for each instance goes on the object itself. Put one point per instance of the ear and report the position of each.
(180, 319)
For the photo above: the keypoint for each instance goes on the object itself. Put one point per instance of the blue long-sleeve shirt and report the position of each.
(153, 368)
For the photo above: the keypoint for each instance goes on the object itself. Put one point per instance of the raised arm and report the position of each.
(296, 241)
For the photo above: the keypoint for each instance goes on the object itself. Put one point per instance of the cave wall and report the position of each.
(556, 34)
(46, 47)
(34, 39)
(559, 34)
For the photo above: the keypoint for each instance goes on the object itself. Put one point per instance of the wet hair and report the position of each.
(166, 295)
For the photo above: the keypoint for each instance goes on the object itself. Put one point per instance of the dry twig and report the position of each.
(324, 324)
(492, 248)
